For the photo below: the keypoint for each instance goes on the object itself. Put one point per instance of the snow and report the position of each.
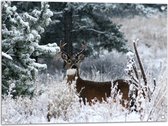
(49, 13)
(48, 21)
(30, 17)
(40, 29)
(36, 13)
(13, 20)
(130, 55)
(30, 37)
(14, 8)
(7, 56)
(8, 11)
(36, 34)
(38, 65)
(25, 24)
(49, 49)
(66, 106)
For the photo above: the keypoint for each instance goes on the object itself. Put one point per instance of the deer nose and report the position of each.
(74, 66)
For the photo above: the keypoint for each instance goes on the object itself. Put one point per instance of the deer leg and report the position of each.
(82, 99)
(48, 116)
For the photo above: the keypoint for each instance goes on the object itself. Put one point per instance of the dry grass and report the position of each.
(152, 31)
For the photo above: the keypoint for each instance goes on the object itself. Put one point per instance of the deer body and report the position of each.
(123, 87)
(89, 90)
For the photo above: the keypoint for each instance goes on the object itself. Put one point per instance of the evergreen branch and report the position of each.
(7, 56)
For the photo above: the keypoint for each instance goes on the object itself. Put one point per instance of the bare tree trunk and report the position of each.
(67, 30)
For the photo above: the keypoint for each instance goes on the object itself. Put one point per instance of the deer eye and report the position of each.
(76, 61)
(69, 61)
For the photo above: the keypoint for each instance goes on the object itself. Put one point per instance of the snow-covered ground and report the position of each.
(64, 103)
(65, 106)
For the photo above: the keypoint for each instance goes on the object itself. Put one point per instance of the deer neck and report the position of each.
(72, 75)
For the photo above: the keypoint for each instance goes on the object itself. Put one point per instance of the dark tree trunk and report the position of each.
(141, 66)
(68, 29)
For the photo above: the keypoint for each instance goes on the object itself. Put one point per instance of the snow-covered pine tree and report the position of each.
(20, 40)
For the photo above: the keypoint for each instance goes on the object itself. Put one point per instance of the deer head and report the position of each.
(72, 63)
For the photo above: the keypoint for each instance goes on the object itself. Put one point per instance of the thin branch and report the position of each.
(94, 30)
(154, 81)
(88, 29)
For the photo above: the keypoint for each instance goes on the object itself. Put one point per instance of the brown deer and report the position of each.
(88, 90)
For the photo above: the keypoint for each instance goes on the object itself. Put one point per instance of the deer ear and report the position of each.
(81, 56)
(64, 56)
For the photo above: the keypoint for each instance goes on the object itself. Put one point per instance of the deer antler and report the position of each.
(83, 46)
(62, 45)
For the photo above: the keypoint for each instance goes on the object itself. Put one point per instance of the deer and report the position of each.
(87, 89)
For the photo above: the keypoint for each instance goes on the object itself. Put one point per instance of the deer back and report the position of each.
(89, 90)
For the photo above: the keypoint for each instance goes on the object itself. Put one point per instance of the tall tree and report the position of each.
(67, 15)
(20, 40)
(89, 24)
(94, 26)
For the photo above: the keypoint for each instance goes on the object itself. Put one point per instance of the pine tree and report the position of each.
(93, 25)
(89, 23)
(21, 33)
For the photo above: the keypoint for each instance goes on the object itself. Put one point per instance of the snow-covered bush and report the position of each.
(156, 110)
(150, 92)
(23, 110)
(109, 65)
(57, 102)
(66, 98)
(20, 38)
(53, 96)
(136, 86)
(55, 99)
(66, 108)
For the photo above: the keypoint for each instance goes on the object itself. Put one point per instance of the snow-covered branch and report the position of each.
(49, 49)
(94, 30)
(6, 56)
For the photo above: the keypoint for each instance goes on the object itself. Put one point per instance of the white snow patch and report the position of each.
(6, 56)
(130, 55)
(38, 65)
